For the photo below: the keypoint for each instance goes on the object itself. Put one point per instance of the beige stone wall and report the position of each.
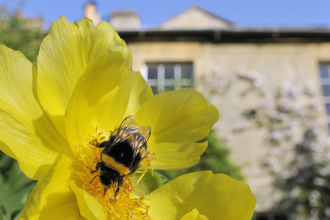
(276, 63)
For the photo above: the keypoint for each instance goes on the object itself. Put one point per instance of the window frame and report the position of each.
(178, 81)
(325, 81)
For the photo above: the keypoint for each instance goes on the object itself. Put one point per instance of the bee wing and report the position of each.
(140, 140)
(127, 127)
(129, 122)
(145, 132)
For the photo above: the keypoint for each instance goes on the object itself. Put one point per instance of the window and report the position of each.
(325, 82)
(164, 77)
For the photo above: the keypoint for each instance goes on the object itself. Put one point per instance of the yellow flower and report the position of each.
(53, 116)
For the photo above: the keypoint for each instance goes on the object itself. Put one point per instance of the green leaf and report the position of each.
(17, 179)
(14, 191)
(149, 182)
(5, 162)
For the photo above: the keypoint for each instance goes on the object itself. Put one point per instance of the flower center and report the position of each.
(126, 204)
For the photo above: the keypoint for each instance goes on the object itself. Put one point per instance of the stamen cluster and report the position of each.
(127, 204)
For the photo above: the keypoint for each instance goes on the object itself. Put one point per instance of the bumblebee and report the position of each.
(122, 153)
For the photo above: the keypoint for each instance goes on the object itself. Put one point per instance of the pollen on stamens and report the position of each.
(127, 205)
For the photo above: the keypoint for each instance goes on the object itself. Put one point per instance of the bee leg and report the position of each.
(119, 184)
(113, 187)
(98, 165)
(105, 190)
(102, 145)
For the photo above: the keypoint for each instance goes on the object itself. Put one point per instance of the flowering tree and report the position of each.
(298, 156)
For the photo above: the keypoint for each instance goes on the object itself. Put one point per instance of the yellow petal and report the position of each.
(177, 119)
(140, 92)
(89, 207)
(64, 56)
(105, 111)
(216, 196)
(170, 156)
(99, 79)
(27, 134)
(52, 197)
(194, 215)
(123, 101)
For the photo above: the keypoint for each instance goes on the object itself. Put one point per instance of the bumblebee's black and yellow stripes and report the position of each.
(122, 154)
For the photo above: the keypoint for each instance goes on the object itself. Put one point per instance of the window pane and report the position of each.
(154, 89)
(152, 71)
(187, 71)
(170, 76)
(326, 90)
(169, 71)
(328, 109)
(169, 88)
(324, 71)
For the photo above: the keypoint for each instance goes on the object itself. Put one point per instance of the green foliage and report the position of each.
(150, 181)
(306, 181)
(19, 33)
(215, 158)
(15, 188)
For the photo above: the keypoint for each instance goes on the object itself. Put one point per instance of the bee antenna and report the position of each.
(94, 178)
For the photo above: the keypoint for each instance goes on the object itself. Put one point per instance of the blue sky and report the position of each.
(153, 12)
